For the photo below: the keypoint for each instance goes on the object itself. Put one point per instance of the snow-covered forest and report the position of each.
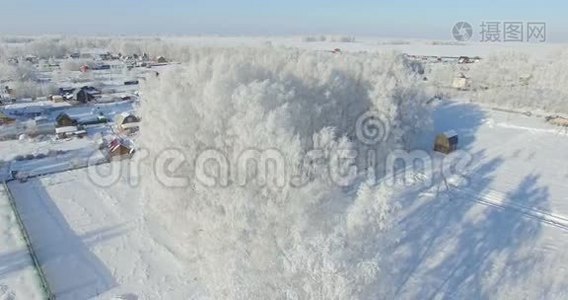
(267, 241)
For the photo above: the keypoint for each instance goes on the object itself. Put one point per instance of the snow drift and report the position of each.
(318, 240)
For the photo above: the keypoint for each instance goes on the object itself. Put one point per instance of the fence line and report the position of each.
(39, 271)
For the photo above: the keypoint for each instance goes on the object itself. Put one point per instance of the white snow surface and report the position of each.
(487, 239)
(93, 241)
(501, 231)
(496, 228)
(18, 279)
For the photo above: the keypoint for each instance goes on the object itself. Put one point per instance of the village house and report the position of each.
(127, 123)
(66, 126)
(32, 59)
(64, 119)
(84, 94)
(69, 131)
(461, 82)
(120, 149)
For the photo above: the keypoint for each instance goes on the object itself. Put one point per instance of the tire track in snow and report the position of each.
(497, 200)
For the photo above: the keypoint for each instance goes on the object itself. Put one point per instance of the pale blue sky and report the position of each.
(405, 18)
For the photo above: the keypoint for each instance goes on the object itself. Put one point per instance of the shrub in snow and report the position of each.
(47, 48)
(22, 79)
(249, 238)
(32, 89)
(18, 72)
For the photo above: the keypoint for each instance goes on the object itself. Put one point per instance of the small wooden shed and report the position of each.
(446, 142)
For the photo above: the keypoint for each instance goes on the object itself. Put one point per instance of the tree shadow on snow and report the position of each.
(464, 118)
(452, 246)
(493, 240)
(72, 270)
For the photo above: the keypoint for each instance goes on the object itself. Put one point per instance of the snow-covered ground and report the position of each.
(93, 242)
(373, 44)
(503, 234)
(12, 148)
(18, 278)
(490, 237)
(497, 231)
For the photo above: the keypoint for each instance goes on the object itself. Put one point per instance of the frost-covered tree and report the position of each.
(249, 237)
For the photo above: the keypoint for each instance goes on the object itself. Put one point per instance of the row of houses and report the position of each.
(119, 148)
(96, 55)
(444, 59)
(83, 94)
(66, 126)
(28, 58)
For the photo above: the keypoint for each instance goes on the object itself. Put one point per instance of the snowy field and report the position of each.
(371, 44)
(500, 235)
(492, 236)
(98, 245)
(18, 279)
(495, 228)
